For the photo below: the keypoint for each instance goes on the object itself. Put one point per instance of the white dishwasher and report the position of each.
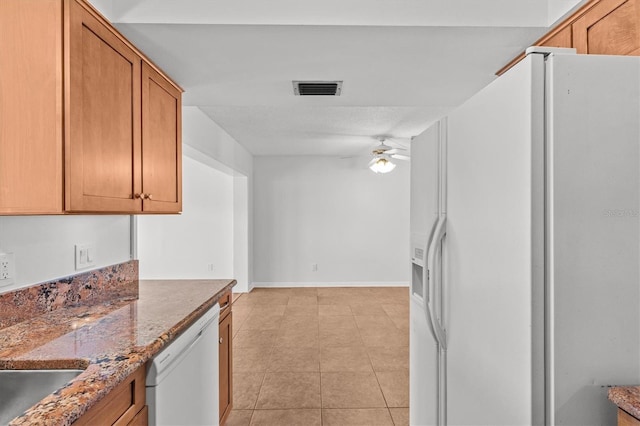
(182, 379)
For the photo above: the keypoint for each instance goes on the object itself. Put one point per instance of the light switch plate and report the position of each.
(85, 256)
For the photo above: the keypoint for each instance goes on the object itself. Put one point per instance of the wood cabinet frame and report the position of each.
(31, 83)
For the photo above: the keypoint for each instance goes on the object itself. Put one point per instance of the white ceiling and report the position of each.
(404, 63)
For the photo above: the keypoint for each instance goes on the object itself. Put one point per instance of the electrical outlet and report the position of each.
(4, 269)
(7, 269)
(210, 267)
(85, 255)
(314, 267)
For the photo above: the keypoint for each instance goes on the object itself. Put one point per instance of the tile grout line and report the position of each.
(392, 421)
(374, 373)
(264, 377)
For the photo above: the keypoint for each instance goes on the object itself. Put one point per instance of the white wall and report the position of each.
(44, 246)
(187, 245)
(557, 9)
(337, 213)
(207, 142)
(203, 134)
(241, 233)
(105, 7)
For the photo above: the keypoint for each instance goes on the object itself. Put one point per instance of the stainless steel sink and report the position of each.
(20, 389)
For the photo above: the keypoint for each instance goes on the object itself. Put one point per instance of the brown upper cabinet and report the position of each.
(601, 27)
(87, 123)
(610, 27)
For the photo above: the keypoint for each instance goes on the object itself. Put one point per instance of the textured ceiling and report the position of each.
(404, 63)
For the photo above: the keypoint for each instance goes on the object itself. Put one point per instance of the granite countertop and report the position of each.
(109, 340)
(626, 398)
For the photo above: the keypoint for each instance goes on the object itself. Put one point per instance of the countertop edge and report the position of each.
(158, 344)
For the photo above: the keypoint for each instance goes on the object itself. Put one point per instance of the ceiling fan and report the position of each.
(382, 155)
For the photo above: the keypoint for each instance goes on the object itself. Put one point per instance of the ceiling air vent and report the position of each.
(317, 88)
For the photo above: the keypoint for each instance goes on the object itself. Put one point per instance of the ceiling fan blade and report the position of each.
(386, 149)
(394, 150)
(399, 143)
(401, 157)
(385, 146)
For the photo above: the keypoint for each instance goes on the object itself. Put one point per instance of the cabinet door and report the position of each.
(611, 27)
(102, 144)
(161, 143)
(30, 106)
(226, 370)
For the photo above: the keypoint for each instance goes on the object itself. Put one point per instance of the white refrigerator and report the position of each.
(525, 294)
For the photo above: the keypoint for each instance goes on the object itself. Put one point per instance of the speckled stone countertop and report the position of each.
(626, 398)
(109, 340)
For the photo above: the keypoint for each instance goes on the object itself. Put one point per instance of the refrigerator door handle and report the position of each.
(426, 283)
(436, 326)
(425, 275)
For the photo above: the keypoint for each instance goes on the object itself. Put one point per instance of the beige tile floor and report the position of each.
(321, 356)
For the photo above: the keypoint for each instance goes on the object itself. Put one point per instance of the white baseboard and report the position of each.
(280, 284)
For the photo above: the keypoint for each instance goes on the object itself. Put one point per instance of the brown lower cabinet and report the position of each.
(226, 358)
(626, 419)
(124, 405)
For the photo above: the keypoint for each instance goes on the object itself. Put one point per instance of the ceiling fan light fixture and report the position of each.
(382, 165)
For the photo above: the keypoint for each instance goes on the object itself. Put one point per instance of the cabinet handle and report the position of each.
(137, 196)
(146, 196)
(221, 340)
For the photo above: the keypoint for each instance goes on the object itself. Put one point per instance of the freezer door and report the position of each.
(425, 183)
(494, 177)
(425, 207)
(593, 164)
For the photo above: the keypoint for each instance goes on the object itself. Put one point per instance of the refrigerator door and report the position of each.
(493, 296)
(425, 208)
(593, 234)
